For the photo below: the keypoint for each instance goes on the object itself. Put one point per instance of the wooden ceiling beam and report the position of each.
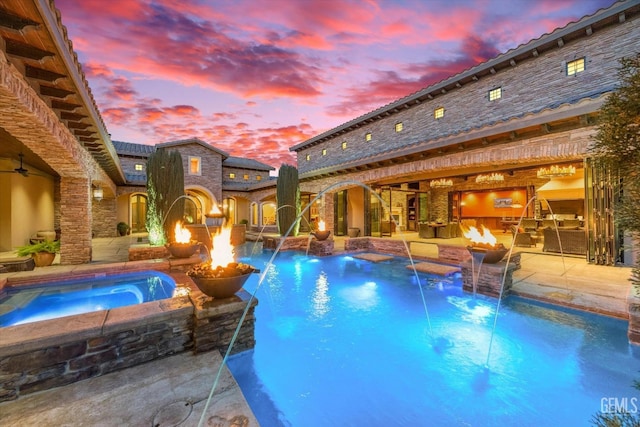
(72, 116)
(67, 106)
(42, 74)
(15, 22)
(23, 50)
(54, 91)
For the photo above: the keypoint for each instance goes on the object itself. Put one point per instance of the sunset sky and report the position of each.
(255, 77)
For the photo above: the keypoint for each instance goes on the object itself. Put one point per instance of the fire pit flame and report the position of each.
(481, 238)
(182, 235)
(222, 252)
(484, 241)
(221, 277)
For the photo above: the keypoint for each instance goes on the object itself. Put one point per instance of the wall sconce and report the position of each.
(98, 193)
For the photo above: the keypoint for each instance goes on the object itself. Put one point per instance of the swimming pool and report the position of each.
(340, 341)
(65, 298)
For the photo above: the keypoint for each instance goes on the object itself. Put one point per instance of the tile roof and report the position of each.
(244, 163)
(132, 149)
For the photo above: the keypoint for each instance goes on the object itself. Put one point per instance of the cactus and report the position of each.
(165, 185)
(288, 199)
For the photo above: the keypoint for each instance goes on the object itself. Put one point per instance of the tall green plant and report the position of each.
(288, 199)
(165, 185)
(616, 146)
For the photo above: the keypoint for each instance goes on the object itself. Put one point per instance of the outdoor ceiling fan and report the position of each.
(21, 170)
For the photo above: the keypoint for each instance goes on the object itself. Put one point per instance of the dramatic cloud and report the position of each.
(255, 77)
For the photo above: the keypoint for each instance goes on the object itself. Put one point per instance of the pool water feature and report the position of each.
(342, 341)
(25, 304)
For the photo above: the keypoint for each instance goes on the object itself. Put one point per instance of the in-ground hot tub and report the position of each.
(25, 304)
(45, 354)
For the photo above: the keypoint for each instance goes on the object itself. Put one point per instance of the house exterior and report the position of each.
(213, 180)
(428, 156)
(485, 133)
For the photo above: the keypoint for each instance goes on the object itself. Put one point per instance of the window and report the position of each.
(308, 157)
(344, 145)
(139, 166)
(495, 94)
(232, 175)
(575, 67)
(245, 177)
(438, 113)
(324, 151)
(399, 127)
(258, 177)
(367, 136)
(194, 166)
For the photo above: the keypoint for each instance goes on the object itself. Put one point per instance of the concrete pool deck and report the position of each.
(135, 396)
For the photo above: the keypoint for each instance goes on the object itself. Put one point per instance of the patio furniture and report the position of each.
(529, 224)
(549, 223)
(449, 231)
(573, 241)
(524, 238)
(425, 231)
(571, 223)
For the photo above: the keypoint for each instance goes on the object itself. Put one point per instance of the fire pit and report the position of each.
(321, 233)
(220, 282)
(483, 242)
(183, 247)
(492, 255)
(221, 276)
(183, 250)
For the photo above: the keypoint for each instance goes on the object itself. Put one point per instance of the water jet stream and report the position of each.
(270, 263)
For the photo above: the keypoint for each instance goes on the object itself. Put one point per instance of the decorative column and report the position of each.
(76, 220)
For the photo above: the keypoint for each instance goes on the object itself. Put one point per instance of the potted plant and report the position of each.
(123, 228)
(43, 253)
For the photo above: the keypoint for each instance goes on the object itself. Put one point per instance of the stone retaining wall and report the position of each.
(489, 278)
(376, 244)
(53, 353)
(301, 243)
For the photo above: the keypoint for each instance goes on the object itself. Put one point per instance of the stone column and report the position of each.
(75, 221)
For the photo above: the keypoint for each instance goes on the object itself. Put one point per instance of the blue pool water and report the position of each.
(345, 342)
(66, 298)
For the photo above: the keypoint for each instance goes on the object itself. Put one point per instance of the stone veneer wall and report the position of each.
(75, 224)
(211, 165)
(375, 244)
(528, 85)
(300, 243)
(489, 278)
(104, 218)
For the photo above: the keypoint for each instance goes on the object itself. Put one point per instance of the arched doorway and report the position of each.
(138, 213)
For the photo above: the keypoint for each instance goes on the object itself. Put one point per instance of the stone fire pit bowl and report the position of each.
(322, 235)
(230, 280)
(491, 255)
(223, 287)
(183, 250)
